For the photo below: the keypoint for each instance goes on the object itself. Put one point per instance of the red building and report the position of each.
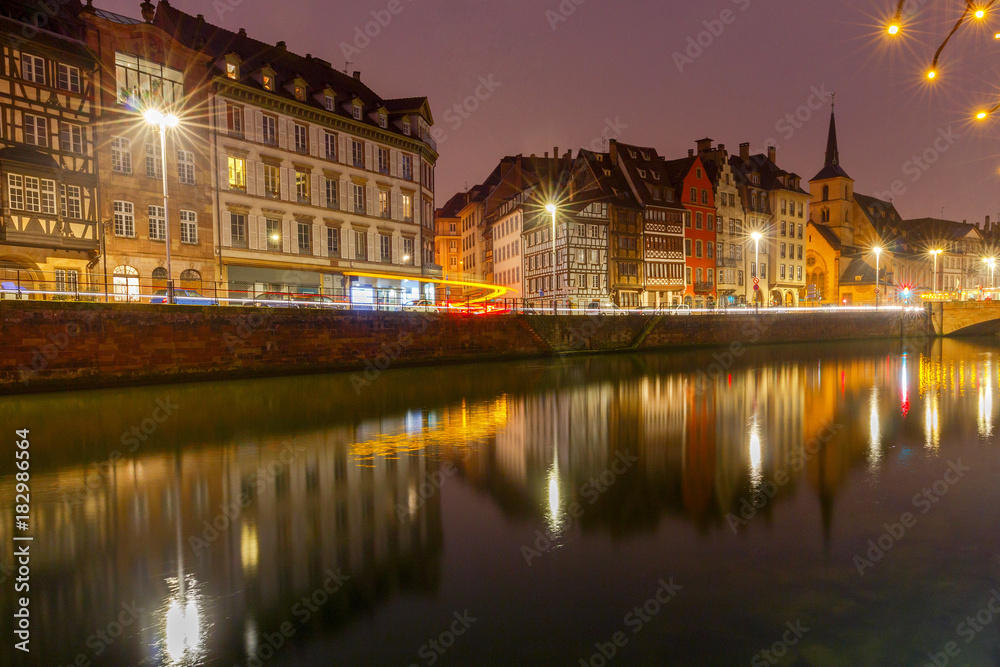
(694, 188)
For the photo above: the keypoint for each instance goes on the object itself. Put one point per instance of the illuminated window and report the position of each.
(237, 173)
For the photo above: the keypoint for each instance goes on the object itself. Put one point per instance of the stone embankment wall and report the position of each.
(49, 346)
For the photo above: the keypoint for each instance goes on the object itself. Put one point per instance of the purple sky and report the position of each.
(610, 67)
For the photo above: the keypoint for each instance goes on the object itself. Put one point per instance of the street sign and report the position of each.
(756, 287)
(756, 281)
(876, 291)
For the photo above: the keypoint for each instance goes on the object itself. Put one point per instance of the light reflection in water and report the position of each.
(932, 431)
(986, 401)
(874, 431)
(756, 456)
(183, 638)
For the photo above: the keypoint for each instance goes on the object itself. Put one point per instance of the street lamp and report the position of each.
(878, 252)
(756, 236)
(551, 208)
(990, 262)
(162, 121)
(935, 253)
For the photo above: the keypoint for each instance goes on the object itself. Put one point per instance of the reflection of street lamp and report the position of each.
(162, 121)
(756, 236)
(878, 252)
(551, 208)
(935, 253)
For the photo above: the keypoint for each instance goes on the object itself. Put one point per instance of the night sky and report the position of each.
(564, 73)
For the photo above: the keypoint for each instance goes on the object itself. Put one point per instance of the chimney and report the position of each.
(148, 11)
(690, 152)
(281, 44)
(986, 225)
(357, 75)
(242, 32)
(555, 152)
(704, 145)
(722, 148)
(772, 154)
(546, 155)
(745, 152)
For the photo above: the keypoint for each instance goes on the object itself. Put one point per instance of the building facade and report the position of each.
(322, 185)
(730, 220)
(50, 237)
(696, 192)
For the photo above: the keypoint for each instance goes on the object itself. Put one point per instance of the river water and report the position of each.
(796, 505)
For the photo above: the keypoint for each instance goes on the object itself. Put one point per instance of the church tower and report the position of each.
(832, 191)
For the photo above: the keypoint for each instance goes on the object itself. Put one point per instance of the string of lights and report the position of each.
(977, 11)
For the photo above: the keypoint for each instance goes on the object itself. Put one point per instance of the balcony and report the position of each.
(703, 287)
(729, 263)
(32, 229)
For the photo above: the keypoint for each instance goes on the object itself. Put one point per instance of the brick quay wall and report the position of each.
(55, 345)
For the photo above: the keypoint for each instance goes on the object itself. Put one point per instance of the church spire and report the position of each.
(832, 152)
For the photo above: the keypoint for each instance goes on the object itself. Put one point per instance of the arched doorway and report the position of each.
(776, 298)
(20, 276)
(191, 279)
(159, 278)
(789, 299)
(126, 283)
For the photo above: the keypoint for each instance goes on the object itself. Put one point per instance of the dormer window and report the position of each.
(645, 156)
(406, 127)
(357, 112)
(328, 102)
(656, 175)
(632, 154)
(232, 70)
(383, 121)
(300, 93)
(642, 173)
(268, 81)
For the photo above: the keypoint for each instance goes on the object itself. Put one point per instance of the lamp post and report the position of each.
(990, 262)
(935, 253)
(551, 208)
(878, 253)
(162, 121)
(756, 236)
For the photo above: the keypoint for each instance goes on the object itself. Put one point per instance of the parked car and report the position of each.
(606, 308)
(681, 309)
(296, 300)
(318, 301)
(11, 290)
(423, 306)
(183, 297)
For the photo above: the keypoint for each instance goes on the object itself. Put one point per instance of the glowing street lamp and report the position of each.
(160, 120)
(893, 29)
(551, 208)
(757, 236)
(992, 263)
(931, 74)
(878, 253)
(934, 254)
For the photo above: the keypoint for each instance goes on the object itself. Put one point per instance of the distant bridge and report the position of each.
(968, 318)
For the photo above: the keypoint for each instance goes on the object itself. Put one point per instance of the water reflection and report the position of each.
(262, 491)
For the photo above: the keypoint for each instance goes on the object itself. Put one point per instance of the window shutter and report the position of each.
(220, 118)
(370, 208)
(262, 232)
(318, 239)
(397, 258)
(373, 250)
(252, 231)
(286, 236)
(348, 244)
(282, 133)
(322, 191)
(251, 181)
(258, 124)
(223, 171)
(313, 142)
(283, 174)
(314, 190)
(342, 152)
(368, 158)
(324, 248)
(227, 230)
(260, 179)
(343, 195)
(394, 206)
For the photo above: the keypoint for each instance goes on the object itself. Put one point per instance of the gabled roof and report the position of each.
(453, 206)
(198, 34)
(854, 268)
(827, 234)
(645, 171)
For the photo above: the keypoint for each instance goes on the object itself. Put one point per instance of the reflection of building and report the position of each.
(259, 523)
